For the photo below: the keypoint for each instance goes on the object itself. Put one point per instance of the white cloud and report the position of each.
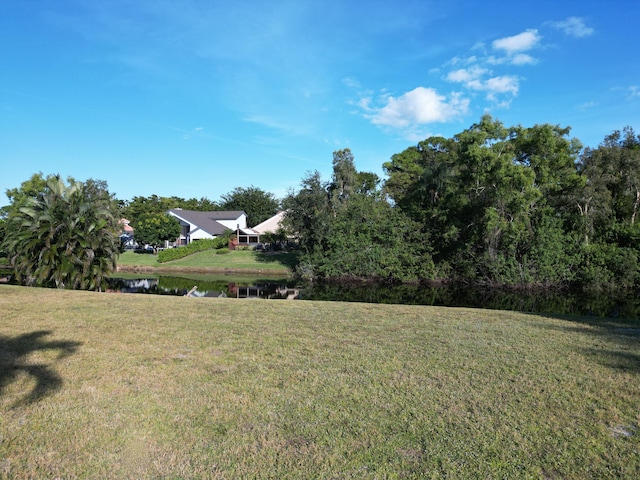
(517, 43)
(418, 107)
(523, 59)
(500, 88)
(475, 78)
(505, 84)
(518, 59)
(574, 27)
(465, 75)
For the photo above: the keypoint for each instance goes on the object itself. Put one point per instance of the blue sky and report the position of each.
(193, 98)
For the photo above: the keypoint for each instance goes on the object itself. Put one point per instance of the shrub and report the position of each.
(607, 266)
(172, 254)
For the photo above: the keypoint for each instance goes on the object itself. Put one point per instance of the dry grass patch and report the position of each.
(173, 387)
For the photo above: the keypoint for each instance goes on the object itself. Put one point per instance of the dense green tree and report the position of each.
(308, 214)
(608, 206)
(256, 203)
(156, 228)
(485, 196)
(367, 183)
(347, 229)
(344, 178)
(64, 236)
(133, 209)
(368, 238)
(492, 204)
(19, 196)
(612, 173)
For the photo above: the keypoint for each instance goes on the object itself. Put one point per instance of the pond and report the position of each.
(220, 286)
(622, 305)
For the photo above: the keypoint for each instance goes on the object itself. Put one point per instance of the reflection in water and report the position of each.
(622, 305)
(619, 305)
(217, 288)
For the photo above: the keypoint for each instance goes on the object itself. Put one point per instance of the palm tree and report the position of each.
(66, 237)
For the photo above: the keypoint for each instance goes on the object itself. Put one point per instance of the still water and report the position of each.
(619, 305)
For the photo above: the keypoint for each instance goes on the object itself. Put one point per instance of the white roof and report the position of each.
(270, 225)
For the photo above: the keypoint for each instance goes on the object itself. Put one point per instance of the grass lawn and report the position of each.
(231, 260)
(97, 385)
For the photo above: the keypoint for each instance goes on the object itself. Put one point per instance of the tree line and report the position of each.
(491, 205)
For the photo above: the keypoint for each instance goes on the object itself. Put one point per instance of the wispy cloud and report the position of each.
(478, 73)
(197, 132)
(473, 79)
(631, 92)
(517, 43)
(573, 27)
(466, 75)
(587, 105)
(277, 124)
(518, 59)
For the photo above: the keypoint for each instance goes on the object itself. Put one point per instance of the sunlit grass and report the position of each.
(140, 259)
(213, 260)
(175, 387)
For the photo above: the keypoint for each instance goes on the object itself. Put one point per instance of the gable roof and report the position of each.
(207, 221)
(270, 224)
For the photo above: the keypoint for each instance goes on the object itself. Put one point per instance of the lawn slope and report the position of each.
(212, 261)
(124, 386)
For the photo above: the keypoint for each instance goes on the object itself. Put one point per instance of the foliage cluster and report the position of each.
(62, 235)
(139, 206)
(345, 228)
(256, 203)
(171, 254)
(155, 228)
(491, 205)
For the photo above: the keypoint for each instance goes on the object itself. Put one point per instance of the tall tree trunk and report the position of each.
(635, 206)
(584, 213)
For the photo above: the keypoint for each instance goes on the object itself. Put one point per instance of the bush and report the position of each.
(608, 267)
(172, 254)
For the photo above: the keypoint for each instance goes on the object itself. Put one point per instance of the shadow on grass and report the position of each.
(286, 259)
(620, 337)
(13, 361)
(618, 359)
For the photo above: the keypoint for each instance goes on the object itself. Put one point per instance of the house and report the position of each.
(126, 233)
(251, 236)
(125, 226)
(274, 226)
(198, 225)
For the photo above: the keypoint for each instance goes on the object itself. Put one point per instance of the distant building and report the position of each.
(199, 225)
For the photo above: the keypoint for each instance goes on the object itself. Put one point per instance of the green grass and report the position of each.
(130, 258)
(212, 260)
(124, 386)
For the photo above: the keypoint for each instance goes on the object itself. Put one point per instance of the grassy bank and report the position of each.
(125, 386)
(212, 260)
